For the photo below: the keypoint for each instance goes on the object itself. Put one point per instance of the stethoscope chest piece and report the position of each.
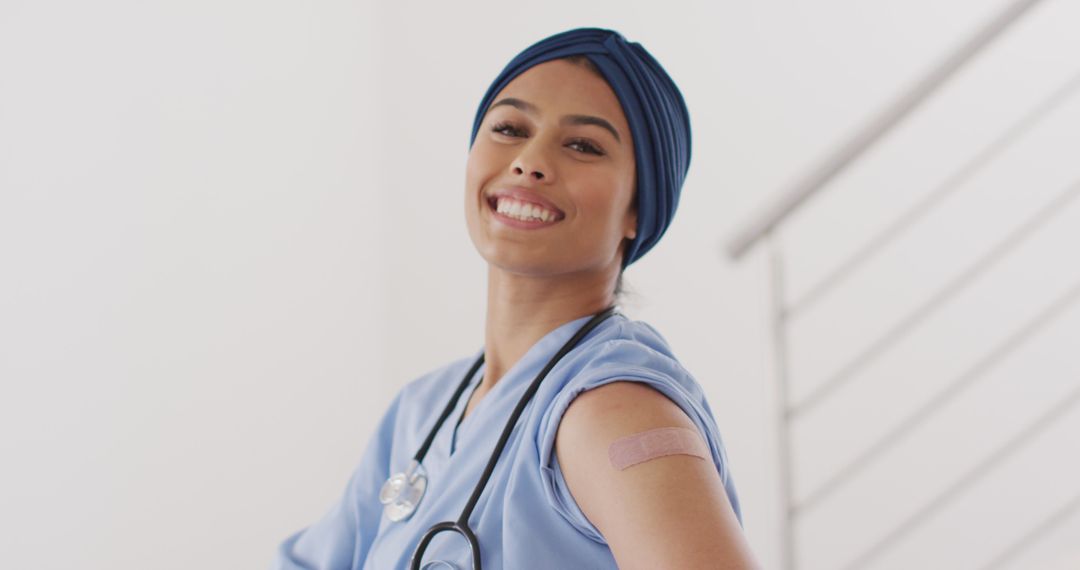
(440, 565)
(401, 493)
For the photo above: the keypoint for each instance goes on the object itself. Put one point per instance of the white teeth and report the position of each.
(523, 210)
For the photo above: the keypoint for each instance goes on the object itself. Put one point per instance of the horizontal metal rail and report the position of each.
(983, 158)
(766, 224)
(973, 475)
(952, 391)
(1057, 518)
(788, 202)
(950, 290)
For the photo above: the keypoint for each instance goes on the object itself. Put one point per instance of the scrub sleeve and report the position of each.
(343, 536)
(625, 360)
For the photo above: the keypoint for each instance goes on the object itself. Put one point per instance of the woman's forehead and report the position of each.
(561, 87)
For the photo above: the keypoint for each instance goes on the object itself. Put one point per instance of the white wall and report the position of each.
(229, 232)
(190, 354)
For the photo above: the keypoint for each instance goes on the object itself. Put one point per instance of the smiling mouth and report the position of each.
(523, 211)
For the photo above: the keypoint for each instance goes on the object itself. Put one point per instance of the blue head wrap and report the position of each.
(654, 108)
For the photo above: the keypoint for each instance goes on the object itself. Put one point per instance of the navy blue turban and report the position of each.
(659, 121)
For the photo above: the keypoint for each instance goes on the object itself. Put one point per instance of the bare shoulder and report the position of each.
(667, 512)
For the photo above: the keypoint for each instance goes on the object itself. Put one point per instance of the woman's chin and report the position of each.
(532, 264)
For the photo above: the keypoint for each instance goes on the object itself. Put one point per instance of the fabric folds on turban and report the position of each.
(654, 108)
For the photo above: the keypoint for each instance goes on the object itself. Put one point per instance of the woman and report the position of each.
(583, 443)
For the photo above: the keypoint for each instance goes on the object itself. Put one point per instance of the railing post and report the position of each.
(789, 558)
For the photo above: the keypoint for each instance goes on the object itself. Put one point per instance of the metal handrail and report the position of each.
(976, 473)
(1048, 315)
(1057, 518)
(953, 182)
(766, 224)
(788, 202)
(988, 260)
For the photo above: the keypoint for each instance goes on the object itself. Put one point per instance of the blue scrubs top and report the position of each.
(526, 516)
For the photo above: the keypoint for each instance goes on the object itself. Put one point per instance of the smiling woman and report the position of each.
(559, 150)
(579, 150)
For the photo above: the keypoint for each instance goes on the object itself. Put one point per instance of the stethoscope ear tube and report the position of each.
(394, 497)
(524, 401)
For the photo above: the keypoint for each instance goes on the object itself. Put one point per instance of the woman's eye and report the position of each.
(585, 146)
(508, 130)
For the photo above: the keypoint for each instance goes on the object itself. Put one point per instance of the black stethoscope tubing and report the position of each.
(461, 526)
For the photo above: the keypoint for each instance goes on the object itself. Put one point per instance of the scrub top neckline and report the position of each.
(544, 347)
(465, 406)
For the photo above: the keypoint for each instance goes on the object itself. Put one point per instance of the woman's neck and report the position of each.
(522, 309)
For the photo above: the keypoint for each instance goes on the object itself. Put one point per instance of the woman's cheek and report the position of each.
(472, 164)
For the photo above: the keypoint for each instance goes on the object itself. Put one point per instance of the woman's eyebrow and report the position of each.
(590, 120)
(516, 103)
(531, 109)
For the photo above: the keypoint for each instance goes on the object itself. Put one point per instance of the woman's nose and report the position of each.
(532, 163)
(518, 169)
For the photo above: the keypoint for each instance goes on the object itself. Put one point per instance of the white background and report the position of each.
(230, 231)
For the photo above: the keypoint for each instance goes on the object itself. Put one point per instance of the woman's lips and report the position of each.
(522, 194)
(492, 202)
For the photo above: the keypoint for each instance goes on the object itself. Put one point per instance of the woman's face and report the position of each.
(549, 183)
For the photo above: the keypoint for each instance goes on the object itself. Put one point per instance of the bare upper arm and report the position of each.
(668, 512)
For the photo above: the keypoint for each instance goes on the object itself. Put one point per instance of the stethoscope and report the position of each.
(402, 492)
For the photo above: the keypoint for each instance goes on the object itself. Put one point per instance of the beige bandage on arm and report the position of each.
(646, 445)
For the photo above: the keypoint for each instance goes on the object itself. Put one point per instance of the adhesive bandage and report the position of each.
(646, 445)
